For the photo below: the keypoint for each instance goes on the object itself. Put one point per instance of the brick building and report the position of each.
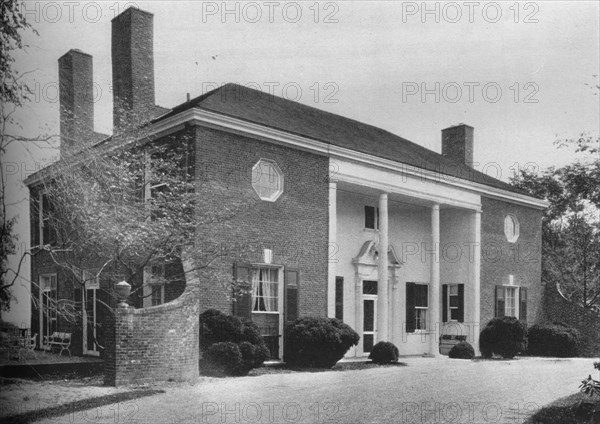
(347, 220)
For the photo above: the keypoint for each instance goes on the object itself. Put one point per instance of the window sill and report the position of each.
(266, 312)
(370, 230)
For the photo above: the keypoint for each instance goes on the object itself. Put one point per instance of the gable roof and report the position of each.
(282, 114)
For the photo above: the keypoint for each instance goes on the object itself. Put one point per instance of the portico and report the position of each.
(393, 264)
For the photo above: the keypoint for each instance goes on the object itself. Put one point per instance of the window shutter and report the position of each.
(499, 302)
(461, 303)
(339, 298)
(242, 300)
(291, 309)
(369, 217)
(523, 304)
(410, 308)
(444, 302)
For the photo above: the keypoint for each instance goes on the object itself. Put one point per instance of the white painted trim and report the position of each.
(332, 254)
(434, 307)
(477, 282)
(219, 121)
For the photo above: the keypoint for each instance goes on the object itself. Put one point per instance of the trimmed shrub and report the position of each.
(253, 356)
(216, 328)
(506, 336)
(384, 353)
(462, 350)
(554, 339)
(318, 342)
(224, 357)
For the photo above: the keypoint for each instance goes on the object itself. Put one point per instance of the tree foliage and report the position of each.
(127, 209)
(571, 224)
(13, 92)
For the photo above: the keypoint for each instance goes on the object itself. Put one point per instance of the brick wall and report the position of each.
(559, 309)
(295, 226)
(499, 258)
(159, 343)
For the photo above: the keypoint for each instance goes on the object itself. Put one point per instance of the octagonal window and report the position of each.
(267, 180)
(511, 228)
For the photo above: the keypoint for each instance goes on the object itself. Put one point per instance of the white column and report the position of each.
(383, 284)
(332, 261)
(394, 309)
(358, 311)
(434, 308)
(476, 327)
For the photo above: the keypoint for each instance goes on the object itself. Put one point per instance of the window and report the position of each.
(453, 304)
(511, 302)
(267, 180)
(417, 307)
(265, 290)
(157, 295)
(46, 233)
(339, 298)
(511, 228)
(48, 313)
(371, 218)
(154, 288)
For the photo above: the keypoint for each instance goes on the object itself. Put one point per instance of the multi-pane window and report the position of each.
(48, 305)
(157, 295)
(421, 306)
(453, 301)
(371, 217)
(267, 180)
(453, 305)
(511, 302)
(265, 290)
(155, 285)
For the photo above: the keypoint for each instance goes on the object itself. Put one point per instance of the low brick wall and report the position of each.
(158, 343)
(558, 308)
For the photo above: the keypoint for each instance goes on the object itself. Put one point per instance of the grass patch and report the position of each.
(574, 409)
(77, 406)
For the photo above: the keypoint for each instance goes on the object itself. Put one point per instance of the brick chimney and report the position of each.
(75, 76)
(457, 143)
(132, 68)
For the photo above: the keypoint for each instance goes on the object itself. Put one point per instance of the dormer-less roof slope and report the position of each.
(275, 112)
(261, 108)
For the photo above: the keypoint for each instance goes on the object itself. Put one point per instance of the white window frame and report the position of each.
(44, 324)
(157, 289)
(512, 228)
(423, 308)
(150, 285)
(255, 275)
(451, 308)
(514, 297)
(256, 180)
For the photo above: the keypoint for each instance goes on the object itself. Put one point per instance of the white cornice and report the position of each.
(215, 120)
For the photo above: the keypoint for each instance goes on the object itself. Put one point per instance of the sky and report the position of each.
(522, 73)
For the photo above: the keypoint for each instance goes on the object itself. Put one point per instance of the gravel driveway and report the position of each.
(426, 391)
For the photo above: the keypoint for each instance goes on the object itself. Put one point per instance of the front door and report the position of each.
(369, 315)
